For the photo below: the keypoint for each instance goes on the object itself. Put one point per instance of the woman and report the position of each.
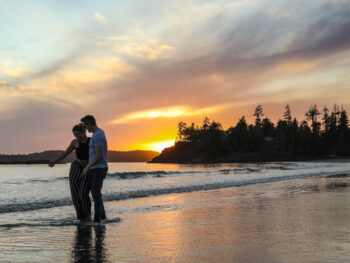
(80, 198)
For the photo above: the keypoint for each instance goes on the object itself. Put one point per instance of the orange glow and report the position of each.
(157, 146)
(170, 112)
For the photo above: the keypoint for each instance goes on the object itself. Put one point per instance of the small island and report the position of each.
(314, 138)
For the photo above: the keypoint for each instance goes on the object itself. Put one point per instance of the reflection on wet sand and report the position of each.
(277, 222)
(304, 220)
(83, 249)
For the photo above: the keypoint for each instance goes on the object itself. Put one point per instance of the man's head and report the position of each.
(89, 122)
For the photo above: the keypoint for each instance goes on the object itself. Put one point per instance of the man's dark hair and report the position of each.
(89, 119)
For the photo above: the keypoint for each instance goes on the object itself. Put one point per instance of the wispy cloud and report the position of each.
(336, 2)
(100, 18)
(171, 112)
(150, 49)
(15, 70)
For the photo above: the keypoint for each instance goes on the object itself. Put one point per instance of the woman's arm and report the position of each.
(69, 149)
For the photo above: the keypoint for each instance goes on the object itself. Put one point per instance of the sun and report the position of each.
(159, 146)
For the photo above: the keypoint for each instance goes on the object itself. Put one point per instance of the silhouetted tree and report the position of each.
(181, 130)
(258, 113)
(255, 138)
(343, 131)
(206, 123)
(312, 115)
(305, 139)
(326, 119)
(287, 116)
(267, 128)
(237, 135)
(287, 140)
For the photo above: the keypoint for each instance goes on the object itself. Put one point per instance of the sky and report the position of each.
(142, 66)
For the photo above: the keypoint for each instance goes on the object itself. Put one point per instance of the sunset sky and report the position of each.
(142, 66)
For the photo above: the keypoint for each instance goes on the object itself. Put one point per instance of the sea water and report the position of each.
(33, 187)
(37, 220)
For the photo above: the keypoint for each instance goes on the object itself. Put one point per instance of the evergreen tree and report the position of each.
(255, 138)
(305, 139)
(326, 119)
(206, 123)
(282, 136)
(295, 136)
(265, 141)
(267, 127)
(312, 115)
(343, 131)
(287, 116)
(343, 120)
(258, 113)
(181, 130)
(238, 135)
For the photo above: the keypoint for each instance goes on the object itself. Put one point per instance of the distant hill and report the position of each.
(131, 156)
(44, 157)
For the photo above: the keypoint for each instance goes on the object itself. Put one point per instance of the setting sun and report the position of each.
(158, 146)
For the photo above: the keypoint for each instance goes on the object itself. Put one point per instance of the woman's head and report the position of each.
(79, 131)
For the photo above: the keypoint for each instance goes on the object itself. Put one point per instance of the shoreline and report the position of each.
(326, 159)
(141, 195)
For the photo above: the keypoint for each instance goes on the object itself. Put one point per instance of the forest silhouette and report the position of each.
(322, 134)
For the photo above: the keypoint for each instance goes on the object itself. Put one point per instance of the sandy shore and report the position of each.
(306, 220)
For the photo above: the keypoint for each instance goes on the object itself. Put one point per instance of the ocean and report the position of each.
(37, 219)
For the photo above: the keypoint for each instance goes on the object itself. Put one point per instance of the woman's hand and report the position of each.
(86, 169)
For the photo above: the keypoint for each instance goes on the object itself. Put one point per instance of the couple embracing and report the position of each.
(88, 170)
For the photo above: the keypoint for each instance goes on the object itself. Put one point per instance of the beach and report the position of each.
(300, 220)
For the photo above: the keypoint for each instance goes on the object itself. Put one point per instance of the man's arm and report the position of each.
(98, 157)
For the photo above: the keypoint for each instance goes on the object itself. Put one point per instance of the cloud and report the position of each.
(238, 56)
(236, 4)
(151, 49)
(57, 65)
(7, 89)
(100, 18)
(204, 59)
(15, 70)
(335, 2)
(171, 112)
(246, 57)
(120, 38)
(279, 13)
(82, 83)
(28, 126)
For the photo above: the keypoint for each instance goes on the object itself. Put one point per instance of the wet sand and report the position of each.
(305, 220)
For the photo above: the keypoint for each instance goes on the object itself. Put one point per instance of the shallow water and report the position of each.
(298, 220)
(30, 187)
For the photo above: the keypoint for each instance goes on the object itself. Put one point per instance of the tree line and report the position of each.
(321, 134)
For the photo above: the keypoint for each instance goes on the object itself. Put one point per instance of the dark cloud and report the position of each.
(243, 53)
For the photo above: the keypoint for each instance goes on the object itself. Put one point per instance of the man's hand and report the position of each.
(86, 169)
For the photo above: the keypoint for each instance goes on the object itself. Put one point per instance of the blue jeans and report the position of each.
(96, 177)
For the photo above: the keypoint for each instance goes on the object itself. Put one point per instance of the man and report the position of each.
(96, 170)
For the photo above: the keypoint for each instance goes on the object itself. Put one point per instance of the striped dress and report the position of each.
(79, 183)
